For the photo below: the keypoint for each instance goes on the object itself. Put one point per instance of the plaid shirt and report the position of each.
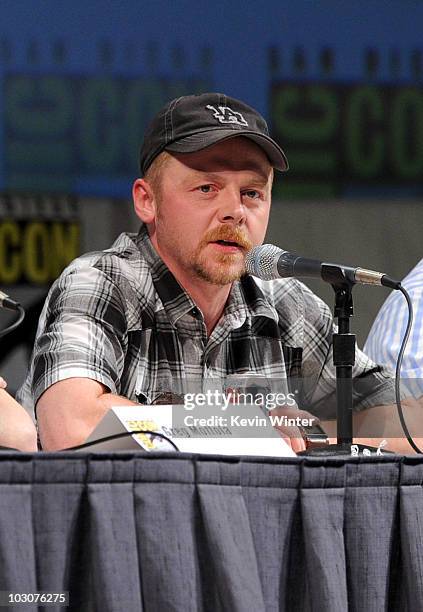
(120, 317)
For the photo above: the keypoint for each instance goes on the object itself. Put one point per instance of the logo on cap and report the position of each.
(226, 115)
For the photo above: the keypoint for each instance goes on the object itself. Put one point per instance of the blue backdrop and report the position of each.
(79, 81)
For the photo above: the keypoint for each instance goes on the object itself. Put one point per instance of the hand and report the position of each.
(292, 433)
(3, 383)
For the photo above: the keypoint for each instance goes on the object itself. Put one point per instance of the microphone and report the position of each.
(7, 302)
(269, 262)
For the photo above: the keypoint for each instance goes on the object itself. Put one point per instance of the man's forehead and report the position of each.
(217, 171)
(232, 155)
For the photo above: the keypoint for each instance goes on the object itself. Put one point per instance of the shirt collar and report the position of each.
(255, 300)
(174, 298)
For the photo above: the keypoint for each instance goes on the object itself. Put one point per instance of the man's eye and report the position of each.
(252, 193)
(205, 188)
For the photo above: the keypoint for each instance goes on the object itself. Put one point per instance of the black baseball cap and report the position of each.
(192, 123)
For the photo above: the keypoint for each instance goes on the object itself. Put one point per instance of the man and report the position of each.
(384, 341)
(170, 307)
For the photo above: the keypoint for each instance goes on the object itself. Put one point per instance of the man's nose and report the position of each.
(232, 209)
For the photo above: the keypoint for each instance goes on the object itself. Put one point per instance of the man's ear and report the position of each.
(144, 201)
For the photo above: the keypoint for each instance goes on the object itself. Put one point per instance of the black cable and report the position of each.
(398, 371)
(122, 435)
(16, 324)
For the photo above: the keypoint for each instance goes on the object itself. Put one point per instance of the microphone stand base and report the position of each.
(339, 450)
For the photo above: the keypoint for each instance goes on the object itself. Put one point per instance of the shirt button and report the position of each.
(195, 312)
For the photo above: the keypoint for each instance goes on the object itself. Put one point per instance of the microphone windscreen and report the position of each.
(262, 261)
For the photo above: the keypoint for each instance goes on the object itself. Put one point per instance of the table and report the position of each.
(176, 532)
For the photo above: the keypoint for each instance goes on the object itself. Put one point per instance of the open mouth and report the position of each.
(227, 243)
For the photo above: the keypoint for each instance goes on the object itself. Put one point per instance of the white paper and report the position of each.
(158, 418)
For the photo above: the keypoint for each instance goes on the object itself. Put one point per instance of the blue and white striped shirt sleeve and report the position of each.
(385, 337)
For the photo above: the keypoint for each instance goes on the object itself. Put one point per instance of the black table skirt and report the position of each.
(163, 532)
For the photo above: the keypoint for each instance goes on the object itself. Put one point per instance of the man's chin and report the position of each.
(220, 274)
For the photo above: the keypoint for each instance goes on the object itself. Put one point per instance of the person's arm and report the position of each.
(386, 335)
(68, 411)
(16, 427)
(378, 423)
(79, 356)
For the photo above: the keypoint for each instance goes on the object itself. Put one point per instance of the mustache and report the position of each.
(231, 234)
